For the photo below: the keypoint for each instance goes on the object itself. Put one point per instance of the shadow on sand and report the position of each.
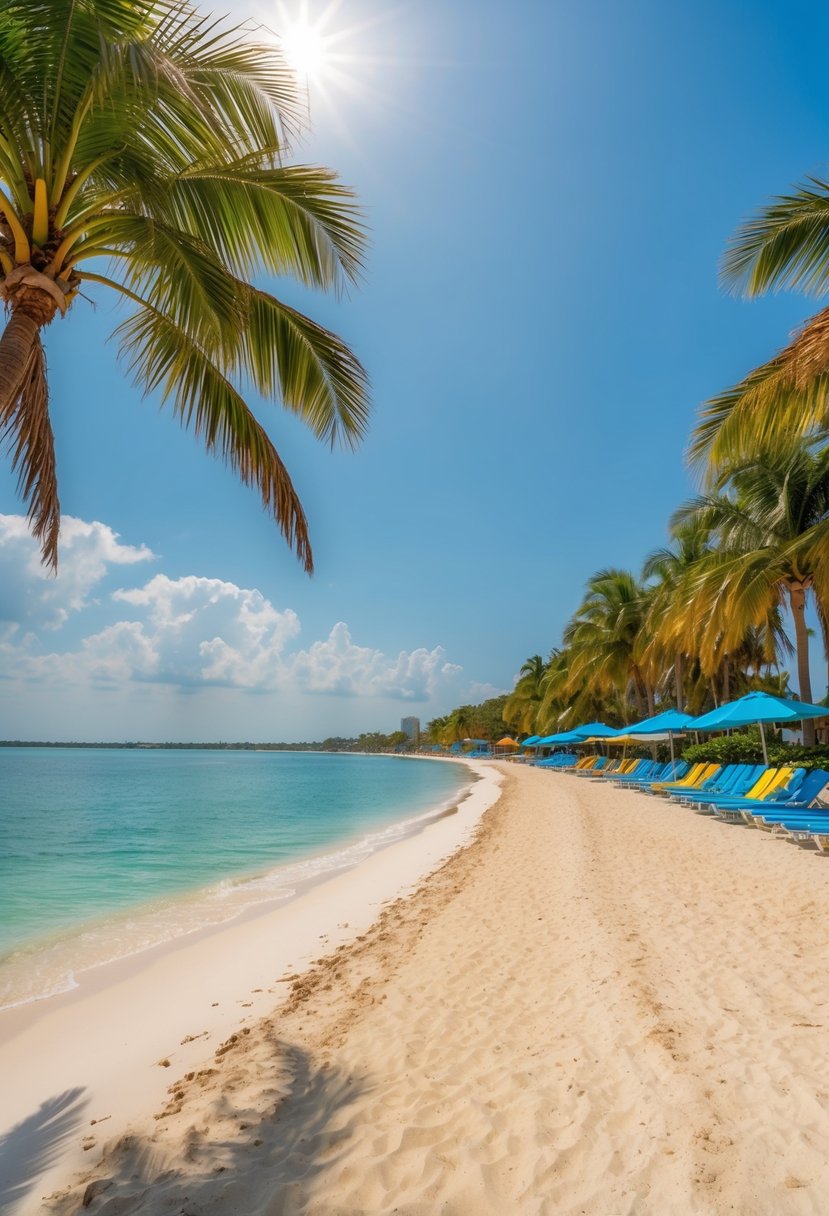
(35, 1143)
(251, 1163)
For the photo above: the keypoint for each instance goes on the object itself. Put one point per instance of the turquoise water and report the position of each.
(103, 853)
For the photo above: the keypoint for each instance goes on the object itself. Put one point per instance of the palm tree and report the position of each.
(522, 704)
(458, 724)
(786, 245)
(604, 638)
(436, 729)
(770, 517)
(143, 149)
(666, 630)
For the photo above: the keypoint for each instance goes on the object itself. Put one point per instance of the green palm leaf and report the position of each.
(163, 357)
(148, 133)
(785, 246)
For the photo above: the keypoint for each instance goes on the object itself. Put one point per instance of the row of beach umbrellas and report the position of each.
(755, 708)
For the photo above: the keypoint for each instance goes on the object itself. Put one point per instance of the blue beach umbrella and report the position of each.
(531, 742)
(670, 720)
(596, 730)
(757, 708)
(567, 736)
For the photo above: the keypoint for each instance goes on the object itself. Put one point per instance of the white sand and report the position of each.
(93, 1054)
(606, 1005)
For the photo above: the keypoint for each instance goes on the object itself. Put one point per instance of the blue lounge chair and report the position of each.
(562, 760)
(776, 794)
(799, 810)
(673, 772)
(647, 770)
(735, 780)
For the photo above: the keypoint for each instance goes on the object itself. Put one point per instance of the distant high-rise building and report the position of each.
(411, 729)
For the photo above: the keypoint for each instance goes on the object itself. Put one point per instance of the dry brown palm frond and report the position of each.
(26, 426)
(807, 355)
(787, 396)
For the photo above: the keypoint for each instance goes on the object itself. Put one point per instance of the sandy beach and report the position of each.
(605, 1004)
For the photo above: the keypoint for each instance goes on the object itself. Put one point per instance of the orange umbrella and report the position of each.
(507, 742)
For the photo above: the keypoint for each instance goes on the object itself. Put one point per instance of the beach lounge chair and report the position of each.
(612, 766)
(590, 770)
(629, 766)
(781, 781)
(791, 795)
(673, 773)
(715, 784)
(808, 806)
(693, 780)
(761, 783)
(561, 760)
(687, 781)
(644, 770)
(736, 780)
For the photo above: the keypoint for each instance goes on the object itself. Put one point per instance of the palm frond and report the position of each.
(788, 396)
(312, 370)
(180, 274)
(28, 432)
(785, 246)
(298, 220)
(163, 357)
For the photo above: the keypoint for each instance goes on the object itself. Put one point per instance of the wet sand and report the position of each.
(606, 1004)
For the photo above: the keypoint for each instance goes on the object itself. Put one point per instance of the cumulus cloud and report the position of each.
(205, 630)
(32, 596)
(338, 666)
(188, 632)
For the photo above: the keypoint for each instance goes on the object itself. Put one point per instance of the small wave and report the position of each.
(48, 968)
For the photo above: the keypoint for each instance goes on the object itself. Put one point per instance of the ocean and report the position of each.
(104, 853)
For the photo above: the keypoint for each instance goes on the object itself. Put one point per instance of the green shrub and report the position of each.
(745, 747)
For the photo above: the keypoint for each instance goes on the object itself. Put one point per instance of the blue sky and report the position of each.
(549, 187)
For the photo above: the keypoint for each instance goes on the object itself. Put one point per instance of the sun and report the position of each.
(305, 47)
(307, 40)
(330, 57)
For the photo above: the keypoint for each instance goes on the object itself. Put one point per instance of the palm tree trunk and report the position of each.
(651, 704)
(637, 695)
(726, 680)
(678, 681)
(16, 344)
(797, 600)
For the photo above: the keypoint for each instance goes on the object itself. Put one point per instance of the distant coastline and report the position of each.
(329, 745)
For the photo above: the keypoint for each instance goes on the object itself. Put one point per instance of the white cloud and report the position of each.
(482, 692)
(207, 631)
(186, 633)
(31, 596)
(338, 666)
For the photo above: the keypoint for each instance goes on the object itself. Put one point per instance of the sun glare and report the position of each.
(332, 57)
(305, 49)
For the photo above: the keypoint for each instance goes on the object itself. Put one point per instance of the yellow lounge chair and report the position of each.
(690, 781)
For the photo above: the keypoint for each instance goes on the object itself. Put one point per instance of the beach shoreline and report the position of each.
(44, 967)
(604, 1003)
(95, 1049)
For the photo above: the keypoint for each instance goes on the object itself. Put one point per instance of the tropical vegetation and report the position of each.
(468, 722)
(144, 151)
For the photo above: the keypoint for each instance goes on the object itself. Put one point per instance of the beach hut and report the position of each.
(480, 747)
